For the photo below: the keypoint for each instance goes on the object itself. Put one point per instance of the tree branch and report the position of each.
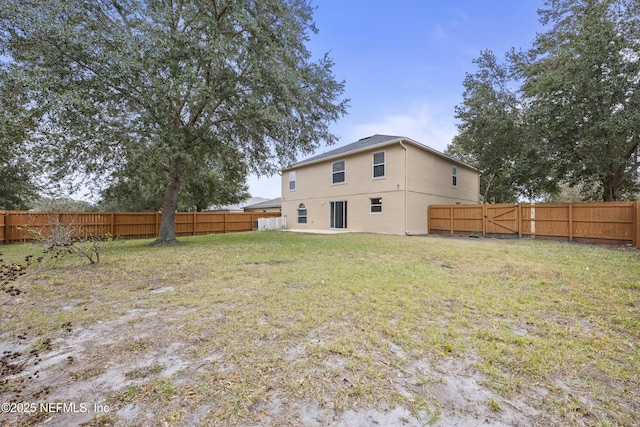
(122, 14)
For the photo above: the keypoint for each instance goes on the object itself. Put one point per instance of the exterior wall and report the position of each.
(428, 181)
(315, 190)
(269, 209)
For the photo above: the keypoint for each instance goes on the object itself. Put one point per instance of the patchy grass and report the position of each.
(244, 328)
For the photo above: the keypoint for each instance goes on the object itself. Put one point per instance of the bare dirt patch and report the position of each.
(127, 372)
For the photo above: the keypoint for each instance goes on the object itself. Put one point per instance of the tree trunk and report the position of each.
(611, 190)
(486, 191)
(610, 193)
(167, 233)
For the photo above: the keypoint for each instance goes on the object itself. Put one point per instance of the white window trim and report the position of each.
(373, 165)
(305, 216)
(371, 199)
(454, 174)
(292, 180)
(344, 171)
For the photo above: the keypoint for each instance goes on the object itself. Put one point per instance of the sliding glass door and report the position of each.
(338, 214)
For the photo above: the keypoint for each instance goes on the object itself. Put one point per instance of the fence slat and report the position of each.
(125, 224)
(2, 226)
(637, 224)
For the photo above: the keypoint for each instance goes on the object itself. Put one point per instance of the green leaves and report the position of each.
(565, 112)
(493, 136)
(17, 173)
(172, 83)
(581, 84)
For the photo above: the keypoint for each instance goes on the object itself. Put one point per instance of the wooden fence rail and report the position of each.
(606, 222)
(124, 224)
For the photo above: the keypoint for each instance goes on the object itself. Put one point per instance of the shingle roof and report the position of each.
(273, 203)
(358, 145)
(372, 141)
(239, 206)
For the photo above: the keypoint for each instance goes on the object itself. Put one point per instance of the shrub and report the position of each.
(63, 239)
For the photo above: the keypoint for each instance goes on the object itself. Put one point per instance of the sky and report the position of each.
(403, 63)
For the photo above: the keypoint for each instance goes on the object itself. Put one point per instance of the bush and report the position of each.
(63, 239)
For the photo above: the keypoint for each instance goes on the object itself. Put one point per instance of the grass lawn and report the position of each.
(276, 328)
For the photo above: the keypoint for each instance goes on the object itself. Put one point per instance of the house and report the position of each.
(380, 184)
(273, 205)
(238, 207)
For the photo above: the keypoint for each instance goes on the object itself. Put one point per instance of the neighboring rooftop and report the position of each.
(273, 203)
(240, 206)
(371, 141)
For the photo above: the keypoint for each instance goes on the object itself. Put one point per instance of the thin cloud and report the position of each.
(438, 33)
(425, 124)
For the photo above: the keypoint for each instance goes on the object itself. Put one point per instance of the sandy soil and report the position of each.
(87, 368)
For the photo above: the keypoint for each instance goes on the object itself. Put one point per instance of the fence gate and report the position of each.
(501, 219)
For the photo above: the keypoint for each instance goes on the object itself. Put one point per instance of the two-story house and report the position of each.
(379, 184)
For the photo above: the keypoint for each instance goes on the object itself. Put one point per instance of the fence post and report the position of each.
(484, 220)
(157, 223)
(571, 222)
(3, 225)
(194, 222)
(519, 221)
(451, 218)
(225, 222)
(636, 223)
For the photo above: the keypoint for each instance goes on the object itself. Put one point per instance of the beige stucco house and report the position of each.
(379, 184)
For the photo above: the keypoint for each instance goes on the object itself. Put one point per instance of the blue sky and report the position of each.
(404, 61)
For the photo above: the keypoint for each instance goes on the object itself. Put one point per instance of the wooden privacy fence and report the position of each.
(130, 225)
(606, 222)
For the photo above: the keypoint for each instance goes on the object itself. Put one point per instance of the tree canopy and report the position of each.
(576, 119)
(220, 180)
(167, 84)
(494, 138)
(17, 186)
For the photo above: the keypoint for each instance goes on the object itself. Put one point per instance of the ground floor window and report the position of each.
(376, 205)
(302, 214)
(338, 214)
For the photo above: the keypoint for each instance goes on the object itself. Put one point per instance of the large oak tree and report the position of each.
(494, 138)
(582, 85)
(566, 111)
(171, 82)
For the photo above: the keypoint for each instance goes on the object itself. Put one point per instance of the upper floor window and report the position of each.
(292, 180)
(302, 214)
(338, 172)
(378, 165)
(454, 176)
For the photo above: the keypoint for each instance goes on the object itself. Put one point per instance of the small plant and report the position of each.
(144, 372)
(137, 345)
(494, 405)
(63, 239)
